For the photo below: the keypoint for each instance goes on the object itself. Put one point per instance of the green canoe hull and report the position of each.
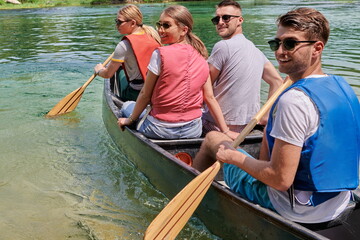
(224, 213)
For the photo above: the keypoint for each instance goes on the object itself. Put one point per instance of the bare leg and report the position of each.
(207, 153)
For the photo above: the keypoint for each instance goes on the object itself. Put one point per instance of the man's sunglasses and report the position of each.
(119, 22)
(225, 18)
(164, 25)
(289, 44)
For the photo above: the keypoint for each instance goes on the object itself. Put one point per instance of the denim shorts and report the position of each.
(246, 186)
(128, 108)
(191, 129)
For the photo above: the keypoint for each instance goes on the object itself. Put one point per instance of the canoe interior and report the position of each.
(224, 213)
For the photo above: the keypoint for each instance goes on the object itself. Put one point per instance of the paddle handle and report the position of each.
(94, 75)
(249, 127)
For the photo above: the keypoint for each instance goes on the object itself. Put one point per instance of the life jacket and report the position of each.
(178, 92)
(329, 161)
(143, 46)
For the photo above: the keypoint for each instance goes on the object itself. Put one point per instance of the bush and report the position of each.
(96, 2)
(28, 1)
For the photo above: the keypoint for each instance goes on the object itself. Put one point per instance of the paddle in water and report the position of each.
(69, 103)
(169, 222)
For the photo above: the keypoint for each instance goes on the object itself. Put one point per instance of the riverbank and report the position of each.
(44, 3)
(60, 3)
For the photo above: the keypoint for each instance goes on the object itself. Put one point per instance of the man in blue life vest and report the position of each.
(309, 159)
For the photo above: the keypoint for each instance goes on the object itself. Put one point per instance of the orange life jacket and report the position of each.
(143, 45)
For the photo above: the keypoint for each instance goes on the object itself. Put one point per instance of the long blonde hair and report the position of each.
(132, 12)
(181, 15)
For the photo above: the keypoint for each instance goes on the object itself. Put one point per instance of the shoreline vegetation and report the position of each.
(5, 4)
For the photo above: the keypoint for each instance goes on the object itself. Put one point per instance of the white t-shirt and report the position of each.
(155, 63)
(296, 120)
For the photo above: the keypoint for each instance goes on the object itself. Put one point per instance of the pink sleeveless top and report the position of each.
(178, 92)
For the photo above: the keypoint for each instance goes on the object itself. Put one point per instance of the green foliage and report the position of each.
(95, 2)
(43, 3)
(28, 1)
(53, 3)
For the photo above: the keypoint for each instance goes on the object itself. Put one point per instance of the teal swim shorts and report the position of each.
(246, 186)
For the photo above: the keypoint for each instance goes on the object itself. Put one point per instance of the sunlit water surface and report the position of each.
(64, 178)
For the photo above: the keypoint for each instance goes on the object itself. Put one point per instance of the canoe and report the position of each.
(223, 212)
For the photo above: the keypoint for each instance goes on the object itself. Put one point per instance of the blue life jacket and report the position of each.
(329, 161)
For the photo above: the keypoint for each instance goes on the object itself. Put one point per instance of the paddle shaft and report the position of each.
(175, 215)
(70, 101)
(250, 126)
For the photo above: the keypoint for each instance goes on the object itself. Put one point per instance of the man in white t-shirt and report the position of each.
(309, 159)
(236, 69)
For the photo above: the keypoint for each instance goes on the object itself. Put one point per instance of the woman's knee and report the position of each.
(127, 108)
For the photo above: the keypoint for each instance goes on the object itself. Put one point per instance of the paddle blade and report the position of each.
(67, 104)
(175, 215)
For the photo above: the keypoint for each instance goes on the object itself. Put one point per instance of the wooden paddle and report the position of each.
(69, 103)
(169, 222)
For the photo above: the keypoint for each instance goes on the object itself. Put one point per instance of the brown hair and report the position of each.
(181, 15)
(132, 12)
(226, 3)
(308, 20)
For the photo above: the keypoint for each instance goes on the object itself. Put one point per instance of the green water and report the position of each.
(63, 178)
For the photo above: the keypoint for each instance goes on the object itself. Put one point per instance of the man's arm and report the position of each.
(213, 106)
(278, 173)
(264, 149)
(272, 77)
(214, 73)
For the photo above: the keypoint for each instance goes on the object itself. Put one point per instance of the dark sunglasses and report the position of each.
(119, 22)
(225, 18)
(289, 44)
(164, 25)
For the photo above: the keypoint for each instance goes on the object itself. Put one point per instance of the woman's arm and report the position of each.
(108, 71)
(142, 101)
(117, 60)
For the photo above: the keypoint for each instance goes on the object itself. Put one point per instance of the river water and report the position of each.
(64, 178)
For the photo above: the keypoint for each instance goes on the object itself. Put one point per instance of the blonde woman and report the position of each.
(177, 83)
(133, 52)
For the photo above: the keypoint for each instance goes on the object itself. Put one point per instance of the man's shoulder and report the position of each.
(238, 40)
(221, 44)
(294, 99)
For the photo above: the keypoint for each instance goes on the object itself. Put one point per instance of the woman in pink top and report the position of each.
(177, 83)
